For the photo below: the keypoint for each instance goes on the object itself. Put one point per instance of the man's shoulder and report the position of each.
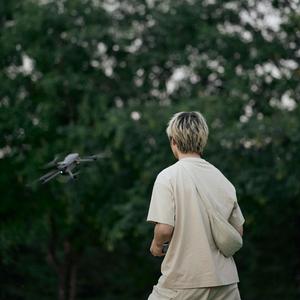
(166, 174)
(223, 178)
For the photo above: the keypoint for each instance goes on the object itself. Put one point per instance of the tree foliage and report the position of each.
(94, 76)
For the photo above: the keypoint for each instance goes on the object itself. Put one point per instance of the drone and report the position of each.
(66, 166)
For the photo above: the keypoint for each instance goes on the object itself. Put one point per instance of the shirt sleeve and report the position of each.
(162, 207)
(236, 218)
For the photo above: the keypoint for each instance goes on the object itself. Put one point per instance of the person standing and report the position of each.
(193, 267)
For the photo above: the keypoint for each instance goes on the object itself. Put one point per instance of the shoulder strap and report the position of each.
(208, 205)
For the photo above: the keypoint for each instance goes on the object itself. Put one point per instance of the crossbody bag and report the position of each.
(227, 239)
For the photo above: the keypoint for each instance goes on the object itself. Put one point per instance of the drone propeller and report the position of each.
(72, 178)
(102, 155)
(74, 175)
(52, 163)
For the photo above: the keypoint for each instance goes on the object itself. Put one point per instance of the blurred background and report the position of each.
(92, 76)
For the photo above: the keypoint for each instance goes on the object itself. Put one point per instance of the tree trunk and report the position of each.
(62, 285)
(65, 267)
(73, 281)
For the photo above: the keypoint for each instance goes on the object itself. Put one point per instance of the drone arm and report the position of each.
(86, 159)
(47, 175)
(91, 158)
(44, 180)
(70, 173)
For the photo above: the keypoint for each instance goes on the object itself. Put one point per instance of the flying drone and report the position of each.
(66, 166)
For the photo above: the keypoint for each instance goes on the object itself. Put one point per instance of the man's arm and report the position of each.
(162, 233)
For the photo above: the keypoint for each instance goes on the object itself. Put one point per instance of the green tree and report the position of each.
(100, 76)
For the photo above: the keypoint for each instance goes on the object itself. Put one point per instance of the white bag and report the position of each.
(227, 239)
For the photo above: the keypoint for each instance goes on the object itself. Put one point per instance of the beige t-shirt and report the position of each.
(192, 259)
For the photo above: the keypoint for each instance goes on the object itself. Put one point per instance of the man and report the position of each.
(193, 267)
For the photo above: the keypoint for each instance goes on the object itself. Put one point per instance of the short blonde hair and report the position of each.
(189, 131)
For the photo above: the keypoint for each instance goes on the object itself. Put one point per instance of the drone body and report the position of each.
(66, 166)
